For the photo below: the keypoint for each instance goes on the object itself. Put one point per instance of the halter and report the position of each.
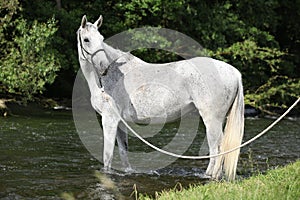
(92, 55)
(86, 51)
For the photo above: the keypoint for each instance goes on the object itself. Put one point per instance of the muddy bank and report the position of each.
(4, 110)
(10, 107)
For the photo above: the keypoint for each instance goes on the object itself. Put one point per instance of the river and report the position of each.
(42, 156)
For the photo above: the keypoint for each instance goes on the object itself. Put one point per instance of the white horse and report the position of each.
(118, 81)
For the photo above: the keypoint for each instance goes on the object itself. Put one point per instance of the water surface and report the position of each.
(41, 156)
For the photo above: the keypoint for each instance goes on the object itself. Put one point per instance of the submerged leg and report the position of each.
(214, 136)
(110, 127)
(122, 139)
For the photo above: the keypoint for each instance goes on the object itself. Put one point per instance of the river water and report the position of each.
(42, 156)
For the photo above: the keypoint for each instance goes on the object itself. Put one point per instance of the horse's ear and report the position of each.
(83, 21)
(99, 21)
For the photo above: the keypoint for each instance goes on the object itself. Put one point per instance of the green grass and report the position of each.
(281, 183)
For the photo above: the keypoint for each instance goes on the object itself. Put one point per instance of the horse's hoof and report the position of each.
(205, 176)
(106, 170)
(129, 170)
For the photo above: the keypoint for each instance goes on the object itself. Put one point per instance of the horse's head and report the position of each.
(90, 44)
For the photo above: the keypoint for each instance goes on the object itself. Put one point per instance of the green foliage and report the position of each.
(252, 60)
(150, 12)
(7, 9)
(260, 38)
(277, 87)
(27, 63)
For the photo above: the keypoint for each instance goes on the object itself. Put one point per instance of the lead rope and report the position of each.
(210, 156)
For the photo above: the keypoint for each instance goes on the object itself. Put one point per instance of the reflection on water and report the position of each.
(42, 156)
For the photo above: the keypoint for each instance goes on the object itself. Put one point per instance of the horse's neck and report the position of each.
(112, 53)
(90, 76)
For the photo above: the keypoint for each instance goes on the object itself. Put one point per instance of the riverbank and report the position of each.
(11, 106)
(281, 183)
(4, 110)
(14, 107)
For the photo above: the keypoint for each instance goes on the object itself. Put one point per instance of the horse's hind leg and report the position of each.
(214, 136)
(122, 139)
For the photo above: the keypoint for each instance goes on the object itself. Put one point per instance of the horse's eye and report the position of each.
(86, 40)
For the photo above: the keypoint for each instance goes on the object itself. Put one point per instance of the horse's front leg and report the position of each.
(110, 126)
(122, 139)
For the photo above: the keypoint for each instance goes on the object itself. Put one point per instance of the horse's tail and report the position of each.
(233, 133)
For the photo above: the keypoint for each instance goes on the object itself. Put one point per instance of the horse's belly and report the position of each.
(156, 104)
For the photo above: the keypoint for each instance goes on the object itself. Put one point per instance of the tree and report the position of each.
(28, 62)
(260, 38)
(58, 4)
